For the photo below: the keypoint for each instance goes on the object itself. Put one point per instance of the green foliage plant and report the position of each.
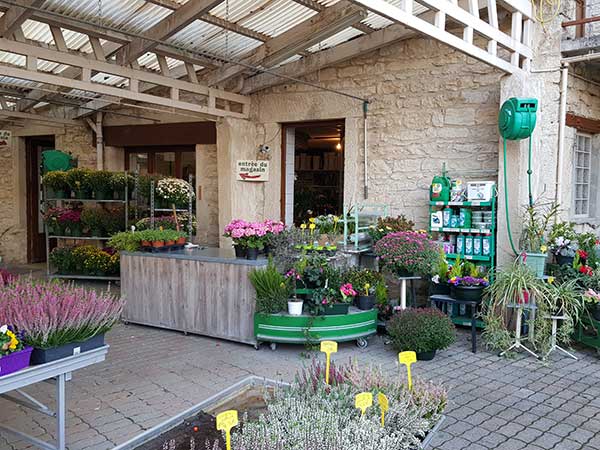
(420, 330)
(273, 289)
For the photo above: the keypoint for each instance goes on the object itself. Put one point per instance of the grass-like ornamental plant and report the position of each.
(421, 330)
(407, 251)
(50, 314)
(272, 289)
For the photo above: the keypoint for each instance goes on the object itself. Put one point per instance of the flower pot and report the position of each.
(536, 262)
(146, 244)
(402, 273)
(181, 241)
(76, 230)
(595, 311)
(471, 293)
(240, 252)
(102, 195)
(42, 356)
(158, 244)
(16, 361)
(295, 307)
(252, 253)
(564, 260)
(439, 288)
(97, 233)
(82, 194)
(426, 356)
(335, 309)
(169, 243)
(366, 302)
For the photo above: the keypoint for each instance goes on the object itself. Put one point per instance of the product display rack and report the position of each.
(49, 237)
(360, 218)
(459, 316)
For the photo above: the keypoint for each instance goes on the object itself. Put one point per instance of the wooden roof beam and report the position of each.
(164, 29)
(319, 27)
(316, 6)
(16, 16)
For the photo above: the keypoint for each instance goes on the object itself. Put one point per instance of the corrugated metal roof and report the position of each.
(269, 17)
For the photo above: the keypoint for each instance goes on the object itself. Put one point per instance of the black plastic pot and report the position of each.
(439, 288)
(595, 311)
(404, 273)
(564, 260)
(366, 302)
(472, 293)
(42, 356)
(426, 356)
(240, 252)
(252, 253)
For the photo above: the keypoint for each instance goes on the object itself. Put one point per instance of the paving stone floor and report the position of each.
(152, 374)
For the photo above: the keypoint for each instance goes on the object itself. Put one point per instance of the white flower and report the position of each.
(3, 329)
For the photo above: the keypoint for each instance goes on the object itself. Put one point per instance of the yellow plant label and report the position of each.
(328, 347)
(363, 401)
(384, 406)
(225, 422)
(408, 358)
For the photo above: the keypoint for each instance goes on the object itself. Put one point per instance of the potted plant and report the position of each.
(407, 253)
(295, 304)
(424, 331)
(61, 258)
(329, 301)
(468, 288)
(174, 191)
(101, 183)
(439, 281)
(79, 182)
(92, 219)
(56, 184)
(365, 282)
(236, 230)
(14, 356)
(562, 241)
(70, 221)
(58, 318)
(126, 241)
(51, 216)
(119, 181)
(387, 225)
(534, 236)
(273, 289)
(592, 300)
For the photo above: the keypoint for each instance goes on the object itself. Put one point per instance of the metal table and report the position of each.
(59, 370)
(436, 300)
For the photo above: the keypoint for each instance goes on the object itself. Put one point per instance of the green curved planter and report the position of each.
(283, 328)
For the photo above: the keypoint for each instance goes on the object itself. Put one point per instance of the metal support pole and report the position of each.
(60, 412)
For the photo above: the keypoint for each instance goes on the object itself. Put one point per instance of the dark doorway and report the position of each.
(313, 170)
(36, 241)
(177, 161)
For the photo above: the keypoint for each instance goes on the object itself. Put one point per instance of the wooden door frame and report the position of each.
(152, 151)
(32, 200)
(307, 124)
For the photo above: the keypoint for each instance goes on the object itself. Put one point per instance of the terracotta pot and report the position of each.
(181, 241)
(146, 243)
(158, 244)
(169, 243)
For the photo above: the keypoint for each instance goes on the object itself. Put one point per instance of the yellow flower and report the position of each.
(311, 220)
(550, 280)
(543, 249)
(312, 226)
(388, 228)
(303, 226)
(10, 334)
(336, 219)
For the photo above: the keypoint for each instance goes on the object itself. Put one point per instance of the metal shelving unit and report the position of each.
(45, 200)
(189, 209)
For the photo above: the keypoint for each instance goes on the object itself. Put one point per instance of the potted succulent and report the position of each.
(534, 236)
(424, 331)
(100, 183)
(56, 184)
(468, 288)
(58, 319)
(79, 182)
(273, 289)
(407, 253)
(14, 356)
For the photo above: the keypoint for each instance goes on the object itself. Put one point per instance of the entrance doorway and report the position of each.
(177, 161)
(36, 241)
(313, 170)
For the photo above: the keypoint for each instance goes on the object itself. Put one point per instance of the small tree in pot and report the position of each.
(423, 331)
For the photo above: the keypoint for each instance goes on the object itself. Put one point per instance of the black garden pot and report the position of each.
(240, 252)
(471, 293)
(252, 253)
(426, 356)
(595, 311)
(366, 302)
(564, 260)
(439, 288)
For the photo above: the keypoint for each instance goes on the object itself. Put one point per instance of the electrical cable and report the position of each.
(202, 53)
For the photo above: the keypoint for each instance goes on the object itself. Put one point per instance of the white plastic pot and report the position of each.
(295, 308)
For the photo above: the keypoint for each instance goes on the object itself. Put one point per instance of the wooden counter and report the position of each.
(202, 291)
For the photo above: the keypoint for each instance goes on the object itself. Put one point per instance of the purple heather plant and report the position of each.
(51, 314)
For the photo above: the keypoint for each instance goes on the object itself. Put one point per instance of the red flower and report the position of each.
(586, 270)
(582, 254)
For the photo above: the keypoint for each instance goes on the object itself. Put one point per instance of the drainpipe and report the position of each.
(562, 120)
(366, 151)
(99, 142)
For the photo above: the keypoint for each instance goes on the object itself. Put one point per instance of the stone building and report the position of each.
(429, 104)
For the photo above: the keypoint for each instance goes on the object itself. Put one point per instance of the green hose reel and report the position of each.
(517, 118)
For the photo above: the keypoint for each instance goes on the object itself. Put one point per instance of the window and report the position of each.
(173, 161)
(582, 172)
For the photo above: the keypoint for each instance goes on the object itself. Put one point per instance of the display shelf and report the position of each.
(90, 200)
(83, 277)
(469, 257)
(89, 238)
(461, 230)
(466, 203)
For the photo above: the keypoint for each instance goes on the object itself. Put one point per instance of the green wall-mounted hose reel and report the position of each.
(516, 121)
(56, 160)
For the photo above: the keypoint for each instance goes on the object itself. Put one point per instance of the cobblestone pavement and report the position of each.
(152, 374)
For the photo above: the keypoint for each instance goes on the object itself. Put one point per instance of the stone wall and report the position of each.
(207, 205)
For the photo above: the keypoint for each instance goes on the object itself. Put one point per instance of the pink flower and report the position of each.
(237, 233)
(250, 232)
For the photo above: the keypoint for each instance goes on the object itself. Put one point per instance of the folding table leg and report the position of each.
(60, 413)
(473, 330)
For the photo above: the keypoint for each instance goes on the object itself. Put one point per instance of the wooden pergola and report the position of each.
(59, 62)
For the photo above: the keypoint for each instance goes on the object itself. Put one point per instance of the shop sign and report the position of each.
(252, 170)
(5, 136)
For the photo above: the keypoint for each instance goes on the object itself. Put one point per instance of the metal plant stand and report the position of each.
(553, 344)
(517, 344)
(60, 371)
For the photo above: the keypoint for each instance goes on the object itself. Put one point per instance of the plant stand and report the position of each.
(441, 300)
(413, 291)
(553, 344)
(519, 308)
(59, 370)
